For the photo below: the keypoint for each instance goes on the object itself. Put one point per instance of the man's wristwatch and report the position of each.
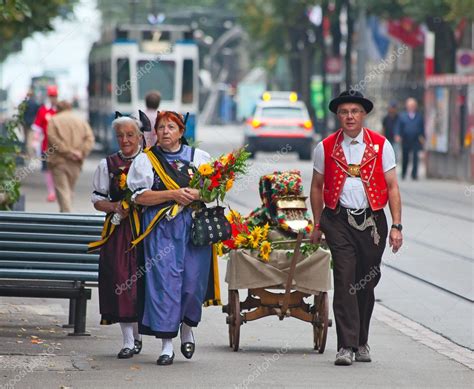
(398, 227)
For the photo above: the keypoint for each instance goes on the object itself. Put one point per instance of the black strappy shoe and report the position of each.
(125, 353)
(187, 348)
(138, 346)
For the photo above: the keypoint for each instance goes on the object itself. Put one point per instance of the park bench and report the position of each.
(45, 255)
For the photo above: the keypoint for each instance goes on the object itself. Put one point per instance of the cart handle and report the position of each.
(294, 260)
(291, 241)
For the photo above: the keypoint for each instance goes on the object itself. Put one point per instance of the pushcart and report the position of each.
(269, 300)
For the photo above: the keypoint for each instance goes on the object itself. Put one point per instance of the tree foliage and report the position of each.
(9, 151)
(440, 16)
(127, 11)
(19, 19)
(445, 10)
(282, 29)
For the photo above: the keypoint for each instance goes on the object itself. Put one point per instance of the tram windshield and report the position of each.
(159, 75)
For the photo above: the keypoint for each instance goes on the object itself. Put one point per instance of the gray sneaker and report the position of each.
(344, 357)
(363, 354)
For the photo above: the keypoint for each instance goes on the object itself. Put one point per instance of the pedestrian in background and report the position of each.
(40, 138)
(354, 178)
(411, 131)
(152, 102)
(389, 123)
(71, 139)
(31, 110)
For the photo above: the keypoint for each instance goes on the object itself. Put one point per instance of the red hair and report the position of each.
(171, 116)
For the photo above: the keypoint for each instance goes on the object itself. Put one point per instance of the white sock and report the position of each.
(136, 335)
(186, 334)
(167, 347)
(127, 332)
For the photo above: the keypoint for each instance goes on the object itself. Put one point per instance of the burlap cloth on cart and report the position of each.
(312, 274)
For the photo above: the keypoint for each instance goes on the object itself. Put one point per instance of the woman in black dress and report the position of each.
(118, 264)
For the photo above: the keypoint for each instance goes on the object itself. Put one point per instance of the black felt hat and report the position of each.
(351, 96)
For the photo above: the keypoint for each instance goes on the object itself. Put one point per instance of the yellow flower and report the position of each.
(265, 230)
(254, 239)
(257, 232)
(241, 240)
(123, 181)
(229, 184)
(265, 250)
(233, 216)
(205, 169)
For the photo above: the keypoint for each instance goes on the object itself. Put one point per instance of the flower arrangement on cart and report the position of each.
(269, 249)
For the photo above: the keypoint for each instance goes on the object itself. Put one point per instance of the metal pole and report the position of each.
(361, 44)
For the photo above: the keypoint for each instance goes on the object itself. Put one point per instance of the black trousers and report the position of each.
(356, 269)
(407, 151)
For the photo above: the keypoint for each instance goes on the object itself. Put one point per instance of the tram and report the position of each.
(131, 60)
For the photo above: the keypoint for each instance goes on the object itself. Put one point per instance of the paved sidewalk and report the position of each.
(36, 352)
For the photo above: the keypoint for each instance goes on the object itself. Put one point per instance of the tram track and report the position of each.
(425, 208)
(427, 282)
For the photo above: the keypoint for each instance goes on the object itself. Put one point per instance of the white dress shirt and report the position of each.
(353, 193)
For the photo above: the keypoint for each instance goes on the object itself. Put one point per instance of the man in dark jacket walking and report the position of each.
(411, 130)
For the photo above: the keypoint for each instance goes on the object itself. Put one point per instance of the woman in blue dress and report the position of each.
(175, 278)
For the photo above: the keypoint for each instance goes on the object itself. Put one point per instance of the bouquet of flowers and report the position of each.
(214, 179)
(127, 198)
(244, 236)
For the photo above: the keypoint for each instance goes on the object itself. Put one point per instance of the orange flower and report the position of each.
(233, 216)
(229, 184)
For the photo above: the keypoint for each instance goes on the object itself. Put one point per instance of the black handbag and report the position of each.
(210, 226)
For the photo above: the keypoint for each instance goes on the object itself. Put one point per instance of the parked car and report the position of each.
(280, 120)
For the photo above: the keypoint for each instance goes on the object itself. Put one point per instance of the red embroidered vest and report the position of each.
(371, 169)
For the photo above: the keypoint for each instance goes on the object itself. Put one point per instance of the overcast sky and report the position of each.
(63, 51)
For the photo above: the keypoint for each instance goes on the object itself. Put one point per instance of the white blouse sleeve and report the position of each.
(140, 176)
(200, 157)
(100, 183)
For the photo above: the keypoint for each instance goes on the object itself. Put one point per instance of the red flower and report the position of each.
(214, 184)
(216, 176)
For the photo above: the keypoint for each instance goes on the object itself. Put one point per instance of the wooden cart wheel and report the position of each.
(320, 328)
(235, 319)
(230, 316)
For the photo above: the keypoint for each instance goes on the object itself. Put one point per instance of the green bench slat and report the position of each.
(28, 265)
(68, 275)
(48, 257)
(45, 218)
(30, 236)
(43, 246)
(50, 228)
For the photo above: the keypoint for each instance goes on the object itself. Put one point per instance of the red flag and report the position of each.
(406, 31)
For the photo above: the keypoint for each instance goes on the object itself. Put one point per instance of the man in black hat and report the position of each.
(353, 180)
